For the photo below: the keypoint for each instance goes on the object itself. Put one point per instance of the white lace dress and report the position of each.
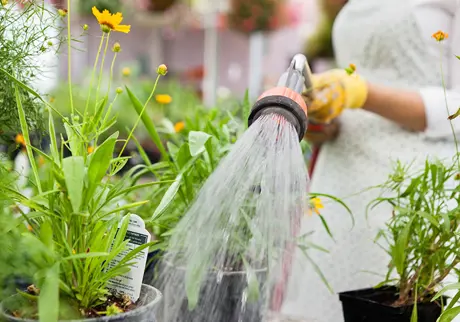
(390, 43)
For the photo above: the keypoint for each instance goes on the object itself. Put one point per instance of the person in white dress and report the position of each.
(394, 110)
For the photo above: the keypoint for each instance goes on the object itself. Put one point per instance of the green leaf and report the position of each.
(72, 139)
(46, 234)
(445, 222)
(74, 175)
(449, 314)
(48, 301)
(125, 207)
(197, 141)
(100, 162)
(172, 148)
(168, 197)
(338, 200)
(316, 269)
(86, 255)
(253, 284)
(398, 251)
(450, 287)
(183, 155)
(458, 57)
(428, 217)
(148, 123)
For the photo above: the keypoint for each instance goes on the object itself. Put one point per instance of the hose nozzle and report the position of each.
(286, 99)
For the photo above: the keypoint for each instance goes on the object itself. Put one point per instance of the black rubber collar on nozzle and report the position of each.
(284, 106)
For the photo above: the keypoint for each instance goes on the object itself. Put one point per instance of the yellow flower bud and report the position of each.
(62, 12)
(162, 70)
(105, 28)
(126, 71)
(116, 47)
(85, 27)
(119, 90)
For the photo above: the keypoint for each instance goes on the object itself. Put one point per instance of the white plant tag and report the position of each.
(131, 282)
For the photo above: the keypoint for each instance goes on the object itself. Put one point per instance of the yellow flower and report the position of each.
(52, 99)
(41, 161)
(85, 27)
(90, 149)
(163, 98)
(4, 2)
(110, 22)
(29, 228)
(73, 252)
(315, 205)
(162, 70)
(126, 71)
(19, 139)
(440, 35)
(179, 126)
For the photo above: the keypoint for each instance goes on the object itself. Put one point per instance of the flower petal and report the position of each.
(97, 13)
(123, 28)
(116, 19)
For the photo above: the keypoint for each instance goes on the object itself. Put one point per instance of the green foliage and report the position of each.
(77, 213)
(192, 155)
(113, 6)
(421, 237)
(23, 35)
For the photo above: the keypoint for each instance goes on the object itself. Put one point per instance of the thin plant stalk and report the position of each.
(140, 116)
(69, 58)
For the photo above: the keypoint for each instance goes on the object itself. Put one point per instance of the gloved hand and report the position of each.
(332, 92)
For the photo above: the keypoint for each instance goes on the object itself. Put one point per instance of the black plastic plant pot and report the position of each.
(145, 312)
(375, 305)
(226, 302)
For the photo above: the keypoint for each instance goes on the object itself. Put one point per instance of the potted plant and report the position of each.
(257, 15)
(90, 249)
(160, 5)
(25, 54)
(420, 238)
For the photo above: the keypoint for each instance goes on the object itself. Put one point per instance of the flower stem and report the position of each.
(101, 71)
(140, 115)
(92, 75)
(111, 72)
(69, 58)
(447, 106)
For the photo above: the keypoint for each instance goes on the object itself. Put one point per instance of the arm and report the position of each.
(403, 107)
(424, 110)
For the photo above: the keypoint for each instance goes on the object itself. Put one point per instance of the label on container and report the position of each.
(130, 283)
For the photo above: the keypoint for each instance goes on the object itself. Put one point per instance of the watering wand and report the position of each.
(286, 98)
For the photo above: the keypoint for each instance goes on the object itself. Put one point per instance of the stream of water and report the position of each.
(229, 257)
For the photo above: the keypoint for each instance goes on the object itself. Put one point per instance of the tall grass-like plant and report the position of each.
(77, 214)
(421, 237)
(25, 36)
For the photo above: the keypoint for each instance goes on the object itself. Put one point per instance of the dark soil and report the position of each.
(122, 302)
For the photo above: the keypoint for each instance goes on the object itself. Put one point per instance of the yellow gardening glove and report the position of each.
(334, 91)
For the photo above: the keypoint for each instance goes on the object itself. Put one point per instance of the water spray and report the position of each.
(286, 99)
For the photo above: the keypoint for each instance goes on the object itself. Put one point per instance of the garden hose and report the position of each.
(286, 99)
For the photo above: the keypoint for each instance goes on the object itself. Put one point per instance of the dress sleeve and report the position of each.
(434, 98)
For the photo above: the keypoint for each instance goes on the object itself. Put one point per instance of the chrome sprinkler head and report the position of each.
(286, 99)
